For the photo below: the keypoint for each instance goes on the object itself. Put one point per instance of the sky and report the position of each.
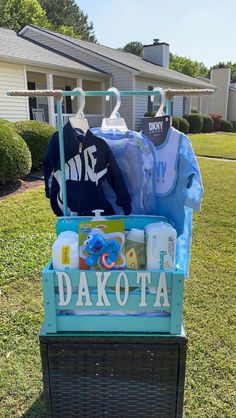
(203, 30)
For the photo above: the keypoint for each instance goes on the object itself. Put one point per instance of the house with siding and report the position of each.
(223, 102)
(37, 58)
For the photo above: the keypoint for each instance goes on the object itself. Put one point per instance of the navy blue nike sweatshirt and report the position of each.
(88, 163)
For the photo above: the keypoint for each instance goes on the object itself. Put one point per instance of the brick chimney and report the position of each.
(157, 53)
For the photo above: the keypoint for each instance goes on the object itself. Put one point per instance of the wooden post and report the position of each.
(51, 112)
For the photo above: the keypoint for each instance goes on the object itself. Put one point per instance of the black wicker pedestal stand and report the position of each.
(115, 376)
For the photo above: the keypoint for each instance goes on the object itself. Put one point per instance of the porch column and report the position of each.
(51, 113)
(79, 83)
(199, 104)
(26, 98)
(209, 99)
(190, 104)
(103, 99)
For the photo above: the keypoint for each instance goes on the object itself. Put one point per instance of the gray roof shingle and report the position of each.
(14, 47)
(131, 61)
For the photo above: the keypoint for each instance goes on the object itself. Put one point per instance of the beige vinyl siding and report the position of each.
(12, 78)
(61, 82)
(120, 78)
(220, 77)
(93, 105)
(232, 105)
(66, 74)
(38, 79)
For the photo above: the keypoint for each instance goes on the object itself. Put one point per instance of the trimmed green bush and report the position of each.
(150, 114)
(207, 124)
(226, 126)
(15, 158)
(36, 135)
(233, 125)
(183, 125)
(195, 121)
(175, 122)
(194, 110)
(5, 122)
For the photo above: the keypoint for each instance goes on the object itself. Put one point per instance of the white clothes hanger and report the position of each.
(78, 121)
(160, 111)
(114, 121)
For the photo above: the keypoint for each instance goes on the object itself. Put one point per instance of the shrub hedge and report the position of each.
(233, 125)
(183, 126)
(36, 135)
(149, 114)
(175, 122)
(5, 122)
(15, 158)
(195, 121)
(207, 124)
(226, 126)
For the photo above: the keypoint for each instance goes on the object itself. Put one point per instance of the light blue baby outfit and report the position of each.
(177, 179)
(162, 180)
(179, 189)
(135, 157)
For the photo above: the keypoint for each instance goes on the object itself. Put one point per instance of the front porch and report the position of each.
(46, 107)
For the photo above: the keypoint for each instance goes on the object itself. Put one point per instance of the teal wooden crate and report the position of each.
(131, 301)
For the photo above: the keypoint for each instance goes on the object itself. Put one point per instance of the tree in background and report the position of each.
(62, 16)
(181, 64)
(16, 13)
(187, 66)
(134, 47)
(66, 16)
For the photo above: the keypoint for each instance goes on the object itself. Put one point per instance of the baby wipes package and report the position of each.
(161, 246)
(65, 251)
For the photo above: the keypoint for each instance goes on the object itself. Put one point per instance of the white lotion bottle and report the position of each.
(65, 251)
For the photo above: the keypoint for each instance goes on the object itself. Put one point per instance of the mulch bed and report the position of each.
(21, 185)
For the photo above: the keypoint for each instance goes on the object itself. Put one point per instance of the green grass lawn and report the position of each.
(26, 235)
(221, 145)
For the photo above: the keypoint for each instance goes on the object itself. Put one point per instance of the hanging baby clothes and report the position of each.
(135, 157)
(183, 248)
(177, 179)
(88, 162)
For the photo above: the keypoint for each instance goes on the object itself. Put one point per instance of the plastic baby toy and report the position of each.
(102, 252)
